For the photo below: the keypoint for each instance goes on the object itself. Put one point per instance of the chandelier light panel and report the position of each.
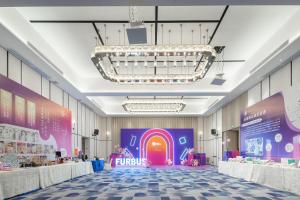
(153, 105)
(153, 64)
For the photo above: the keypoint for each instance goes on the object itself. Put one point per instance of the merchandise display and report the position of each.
(17, 181)
(272, 174)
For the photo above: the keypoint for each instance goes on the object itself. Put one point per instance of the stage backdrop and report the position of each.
(270, 128)
(31, 124)
(158, 145)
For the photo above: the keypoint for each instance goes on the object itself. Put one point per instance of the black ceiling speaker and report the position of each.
(96, 132)
(214, 132)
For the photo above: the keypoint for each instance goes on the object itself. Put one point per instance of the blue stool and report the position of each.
(98, 165)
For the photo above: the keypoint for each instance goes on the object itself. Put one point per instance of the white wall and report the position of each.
(212, 145)
(14, 68)
(31, 79)
(3, 62)
(281, 80)
(84, 120)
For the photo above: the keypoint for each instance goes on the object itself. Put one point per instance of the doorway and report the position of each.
(231, 140)
(85, 143)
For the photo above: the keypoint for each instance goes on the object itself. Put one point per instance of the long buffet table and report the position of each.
(275, 176)
(20, 181)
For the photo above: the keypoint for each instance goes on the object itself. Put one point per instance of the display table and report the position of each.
(98, 165)
(276, 176)
(18, 181)
(51, 175)
(237, 170)
(81, 169)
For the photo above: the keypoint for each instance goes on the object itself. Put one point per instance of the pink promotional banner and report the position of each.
(31, 124)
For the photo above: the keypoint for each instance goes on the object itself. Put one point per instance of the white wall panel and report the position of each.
(265, 88)
(79, 123)
(56, 94)
(108, 149)
(87, 122)
(281, 79)
(296, 73)
(102, 149)
(14, 68)
(102, 129)
(79, 144)
(45, 88)
(92, 123)
(92, 148)
(66, 100)
(3, 61)
(254, 95)
(83, 120)
(31, 79)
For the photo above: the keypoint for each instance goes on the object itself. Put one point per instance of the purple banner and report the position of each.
(31, 124)
(267, 132)
(157, 145)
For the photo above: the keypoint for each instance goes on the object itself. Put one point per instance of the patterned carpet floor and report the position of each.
(179, 183)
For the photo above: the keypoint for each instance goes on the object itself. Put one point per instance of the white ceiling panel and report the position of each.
(243, 31)
(85, 13)
(73, 42)
(190, 12)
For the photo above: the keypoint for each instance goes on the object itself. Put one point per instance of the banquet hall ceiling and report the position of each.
(71, 33)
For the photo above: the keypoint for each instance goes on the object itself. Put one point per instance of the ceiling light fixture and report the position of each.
(153, 105)
(104, 59)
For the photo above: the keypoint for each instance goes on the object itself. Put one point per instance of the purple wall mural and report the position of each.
(267, 132)
(158, 145)
(31, 123)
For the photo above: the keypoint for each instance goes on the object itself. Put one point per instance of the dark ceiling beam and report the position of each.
(214, 33)
(218, 25)
(101, 40)
(124, 21)
(156, 24)
(98, 33)
(156, 31)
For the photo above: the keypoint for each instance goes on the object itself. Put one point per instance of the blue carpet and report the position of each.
(161, 184)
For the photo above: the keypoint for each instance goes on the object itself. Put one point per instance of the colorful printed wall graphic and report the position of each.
(270, 129)
(158, 145)
(31, 124)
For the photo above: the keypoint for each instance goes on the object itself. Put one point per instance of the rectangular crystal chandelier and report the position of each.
(153, 64)
(153, 105)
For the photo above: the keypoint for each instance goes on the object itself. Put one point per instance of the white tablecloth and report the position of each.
(21, 181)
(237, 170)
(276, 176)
(51, 175)
(18, 181)
(81, 169)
